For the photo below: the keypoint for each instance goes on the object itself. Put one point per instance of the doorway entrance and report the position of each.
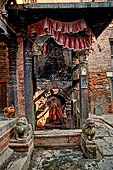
(56, 92)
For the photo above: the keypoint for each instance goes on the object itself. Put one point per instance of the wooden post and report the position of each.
(83, 89)
(12, 80)
(28, 86)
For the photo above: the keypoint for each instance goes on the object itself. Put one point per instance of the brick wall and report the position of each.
(4, 140)
(20, 78)
(99, 62)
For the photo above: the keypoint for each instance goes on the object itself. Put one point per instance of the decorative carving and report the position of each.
(54, 85)
(52, 105)
(23, 129)
(88, 144)
(12, 80)
(54, 65)
(37, 50)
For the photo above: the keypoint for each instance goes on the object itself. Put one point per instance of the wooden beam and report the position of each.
(2, 4)
(4, 21)
(71, 5)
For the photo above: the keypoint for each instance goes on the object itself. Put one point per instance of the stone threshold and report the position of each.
(57, 132)
(54, 139)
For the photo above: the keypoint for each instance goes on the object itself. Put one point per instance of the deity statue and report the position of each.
(89, 129)
(88, 144)
(55, 111)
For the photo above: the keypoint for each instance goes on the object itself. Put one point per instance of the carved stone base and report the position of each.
(89, 148)
(19, 146)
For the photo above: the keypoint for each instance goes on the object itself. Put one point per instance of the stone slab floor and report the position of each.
(73, 159)
(67, 159)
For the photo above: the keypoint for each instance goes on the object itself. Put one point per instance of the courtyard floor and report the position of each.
(70, 159)
(73, 159)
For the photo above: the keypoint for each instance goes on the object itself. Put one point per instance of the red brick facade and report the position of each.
(99, 62)
(4, 139)
(20, 78)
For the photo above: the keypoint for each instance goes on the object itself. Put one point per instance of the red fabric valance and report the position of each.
(60, 31)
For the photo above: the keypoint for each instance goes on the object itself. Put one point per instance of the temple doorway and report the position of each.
(55, 94)
(59, 72)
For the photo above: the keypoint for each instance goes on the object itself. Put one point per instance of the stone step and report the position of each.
(57, 138)
(5, 156)
(16, 160)
(6, 130)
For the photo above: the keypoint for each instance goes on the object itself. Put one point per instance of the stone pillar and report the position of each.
(83, 88)
(28, 85)
(12, 80)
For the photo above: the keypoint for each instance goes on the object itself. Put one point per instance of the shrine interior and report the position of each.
(55, 71)
(56, 87)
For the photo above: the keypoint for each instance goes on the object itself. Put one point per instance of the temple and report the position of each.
(44, 49)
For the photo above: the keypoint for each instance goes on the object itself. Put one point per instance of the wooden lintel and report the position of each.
(68, 5)
(2, 4)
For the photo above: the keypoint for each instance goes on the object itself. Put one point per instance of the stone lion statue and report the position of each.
(87, 141)
(23, 128)
(89, 129)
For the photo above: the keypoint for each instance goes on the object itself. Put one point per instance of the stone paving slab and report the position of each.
(56, 159)
(109, 140)
(106, 164)
(66, 159)
(88, 164)
(108, 118)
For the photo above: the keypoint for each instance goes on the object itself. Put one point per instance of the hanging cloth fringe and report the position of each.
(60, 32)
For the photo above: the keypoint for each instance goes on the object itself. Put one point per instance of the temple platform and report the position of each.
(56, 138)
(6, 130)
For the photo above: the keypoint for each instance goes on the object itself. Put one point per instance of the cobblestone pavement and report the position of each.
(73, 159)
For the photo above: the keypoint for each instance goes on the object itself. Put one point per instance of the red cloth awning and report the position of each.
(61, 32)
